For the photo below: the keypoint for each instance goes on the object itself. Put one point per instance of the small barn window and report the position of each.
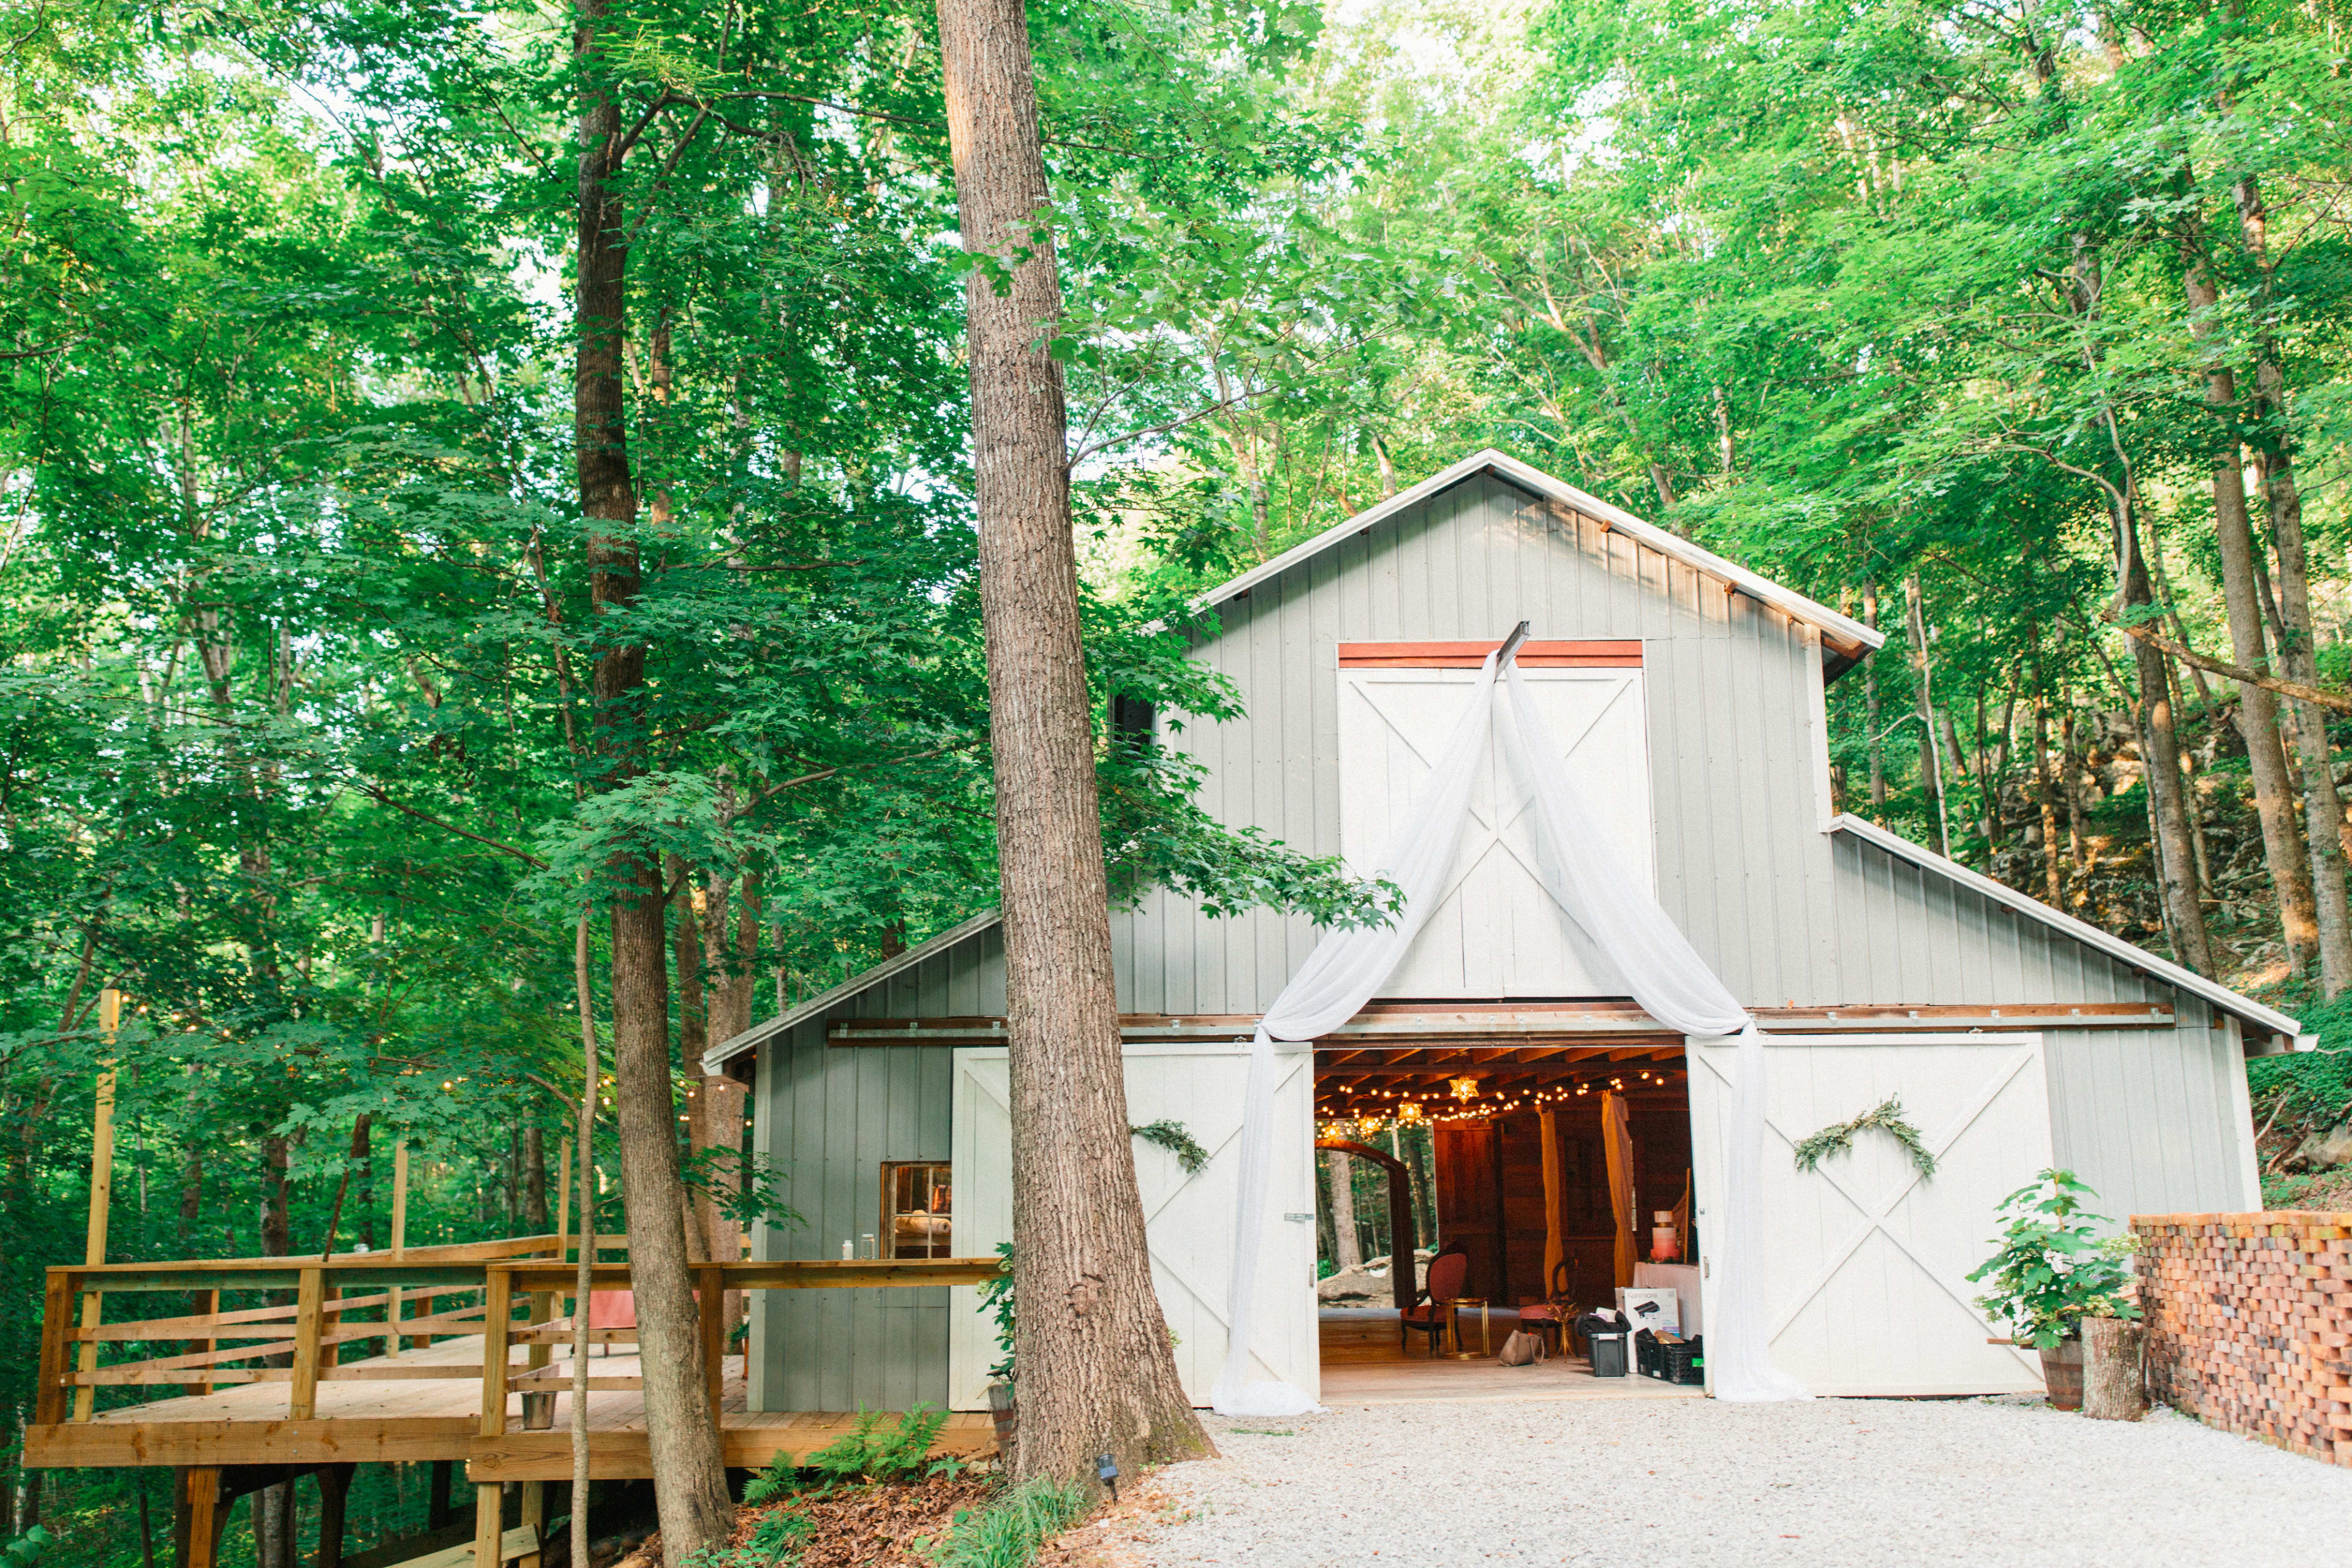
(918, 1210)
(1131, 723)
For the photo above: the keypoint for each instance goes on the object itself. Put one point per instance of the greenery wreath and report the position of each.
(1887, 1117)
(1172, 1136)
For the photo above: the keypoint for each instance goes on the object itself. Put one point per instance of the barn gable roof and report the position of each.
(1848, 639)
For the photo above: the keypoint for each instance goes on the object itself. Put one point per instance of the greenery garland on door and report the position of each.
(1172, 1136)
(1887, 1117)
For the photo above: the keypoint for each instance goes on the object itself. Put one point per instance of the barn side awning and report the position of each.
(2260, 1018)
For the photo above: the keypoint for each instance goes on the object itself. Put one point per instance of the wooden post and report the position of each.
(489, 1527)
(196, 1516)
(309, 1317)
(564, 1206)
(399, 1245)
(710, 1309)
(50, 1402)
(498, 1301)
(209, 1306)
(101, 1191)
(534, 1517)
(334, 1494)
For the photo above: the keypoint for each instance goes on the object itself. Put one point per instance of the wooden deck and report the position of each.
(368, 1420)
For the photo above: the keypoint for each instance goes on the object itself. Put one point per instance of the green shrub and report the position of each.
(865, 1453)
(1008, 1533)
(2053, 1269)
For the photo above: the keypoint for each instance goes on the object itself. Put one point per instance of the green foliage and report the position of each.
(866, 1452)
(996, 1299)
(1010, 1531)
(2053, 1269)
(26, 1550)
(1887, 1117)
(1172, 1136)
(2301, 1090)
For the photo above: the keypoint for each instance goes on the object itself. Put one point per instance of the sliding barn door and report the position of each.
(1496, 932)
(1188, 1215)
(1865, 1258)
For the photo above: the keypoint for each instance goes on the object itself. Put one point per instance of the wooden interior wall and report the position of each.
(1490, 1197)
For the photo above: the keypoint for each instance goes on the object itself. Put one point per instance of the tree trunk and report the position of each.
(1096, 1372)
(1869, 708)
(2298, 646)
(1347, 1250)
(2160, 762)
(2112, 1385)
(690, 1480)
(1425, 1202)
(534, 1182)
(2282, 847)
(2046, 793)
(1923, 674)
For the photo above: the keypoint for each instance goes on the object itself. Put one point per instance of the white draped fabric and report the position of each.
(1614, 909)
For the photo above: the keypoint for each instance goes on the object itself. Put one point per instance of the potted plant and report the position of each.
(2052, 1271)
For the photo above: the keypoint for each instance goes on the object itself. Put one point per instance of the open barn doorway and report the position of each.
(1500, 1155)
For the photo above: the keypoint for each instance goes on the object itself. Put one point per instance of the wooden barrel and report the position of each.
(2062, 1375)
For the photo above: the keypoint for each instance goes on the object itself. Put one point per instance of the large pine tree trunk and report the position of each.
(690, 1478)
(2282, 848)
(1096, 1371)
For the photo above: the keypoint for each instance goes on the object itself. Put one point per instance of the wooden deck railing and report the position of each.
(533, 1275)
(304, 1335)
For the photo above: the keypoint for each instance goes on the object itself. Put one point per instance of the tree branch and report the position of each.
(375, 793)
(2340, 701)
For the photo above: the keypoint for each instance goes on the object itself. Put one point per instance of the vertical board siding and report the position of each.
(829, 1118)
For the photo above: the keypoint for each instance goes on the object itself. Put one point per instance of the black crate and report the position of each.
(1670, 1361)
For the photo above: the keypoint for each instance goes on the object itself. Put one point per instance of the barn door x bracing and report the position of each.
(1866, 1260)
(1188, 1216)
(1495, 932)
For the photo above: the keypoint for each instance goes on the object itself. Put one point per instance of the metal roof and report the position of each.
(1857, 637)
(2089, 935)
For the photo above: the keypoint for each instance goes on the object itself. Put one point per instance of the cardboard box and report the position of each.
(1650, 1307)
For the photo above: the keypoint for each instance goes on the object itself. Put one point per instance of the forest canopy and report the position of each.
(2017, 329)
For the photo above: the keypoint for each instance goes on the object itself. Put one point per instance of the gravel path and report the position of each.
(1644, 1484)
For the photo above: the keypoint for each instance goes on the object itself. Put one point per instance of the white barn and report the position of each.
(1687, 696)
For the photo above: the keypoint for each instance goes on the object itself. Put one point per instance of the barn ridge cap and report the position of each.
(1849, 640)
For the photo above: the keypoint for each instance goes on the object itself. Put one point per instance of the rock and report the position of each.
(1367, 1285)
(2331, 1147)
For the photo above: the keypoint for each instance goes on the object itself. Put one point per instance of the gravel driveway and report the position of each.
(1636, 1483)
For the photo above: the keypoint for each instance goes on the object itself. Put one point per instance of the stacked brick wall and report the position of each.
(2249, 1323)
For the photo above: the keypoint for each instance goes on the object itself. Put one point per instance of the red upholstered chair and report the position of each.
(1551, 1316)
(1433, 1307)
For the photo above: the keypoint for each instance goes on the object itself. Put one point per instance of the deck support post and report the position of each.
(534, 1514)
(489, 1523)
(196, 1516)
(335, 1495)
(710, 1306)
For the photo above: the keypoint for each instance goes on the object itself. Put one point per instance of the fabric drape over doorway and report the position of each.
(1613, 907)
